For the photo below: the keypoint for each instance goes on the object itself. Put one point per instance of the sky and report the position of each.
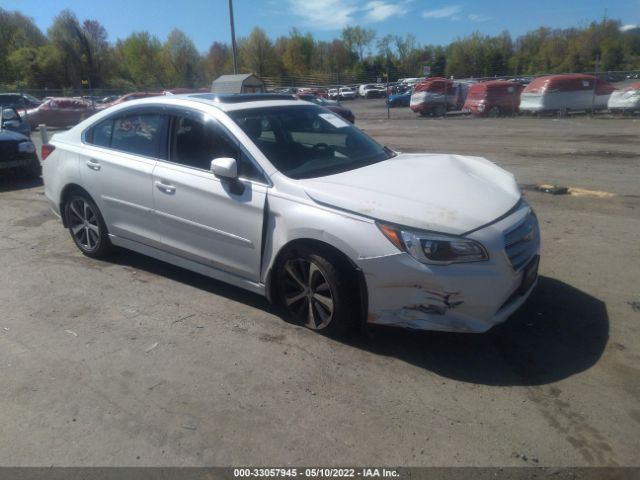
(431, 21)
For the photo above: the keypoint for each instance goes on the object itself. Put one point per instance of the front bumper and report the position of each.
(471, 297)
(19, 160)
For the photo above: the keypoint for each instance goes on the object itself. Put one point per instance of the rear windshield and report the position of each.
(308, 141)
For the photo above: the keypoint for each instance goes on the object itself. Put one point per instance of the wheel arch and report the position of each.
(65, 194)
(271, 283)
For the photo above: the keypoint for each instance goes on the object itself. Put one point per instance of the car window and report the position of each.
(198, 141)
(139, 134)
(308, 141)
(101, 133)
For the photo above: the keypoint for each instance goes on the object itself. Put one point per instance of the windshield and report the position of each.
(308, 141)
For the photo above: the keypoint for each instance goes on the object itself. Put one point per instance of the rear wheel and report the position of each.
(440, 111)
(317, 291)
(86, 226)
(494, 112)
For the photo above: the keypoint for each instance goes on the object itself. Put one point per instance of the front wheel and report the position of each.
(317, 292)
(87, 227)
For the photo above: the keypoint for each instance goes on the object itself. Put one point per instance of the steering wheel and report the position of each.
(321, 148)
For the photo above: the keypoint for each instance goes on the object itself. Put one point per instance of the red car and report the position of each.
(493, 98)
(134, 96)
(61, 112)
(437, 96)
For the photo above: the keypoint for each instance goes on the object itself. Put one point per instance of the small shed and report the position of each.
(244, 83)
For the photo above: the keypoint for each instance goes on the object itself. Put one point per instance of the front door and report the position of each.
(203, 218)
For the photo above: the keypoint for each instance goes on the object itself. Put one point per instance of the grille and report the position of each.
(522, 241)
(7, 151)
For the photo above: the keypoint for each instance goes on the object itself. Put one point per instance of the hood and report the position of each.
(442, 193)
(12, 136)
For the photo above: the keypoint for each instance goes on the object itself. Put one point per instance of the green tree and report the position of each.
(357, 39)
(218, 61)
(16, 32)
(181, 60)
(257, 53)
(140, 59)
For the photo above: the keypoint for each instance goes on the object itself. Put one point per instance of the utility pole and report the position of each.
(233, 39)
(595, 83)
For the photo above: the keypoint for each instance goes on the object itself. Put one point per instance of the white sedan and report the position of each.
(286, 199)
(346, 93)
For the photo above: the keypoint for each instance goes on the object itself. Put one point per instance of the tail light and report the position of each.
(47, 148)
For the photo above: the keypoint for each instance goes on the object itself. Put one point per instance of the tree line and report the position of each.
(74, 53)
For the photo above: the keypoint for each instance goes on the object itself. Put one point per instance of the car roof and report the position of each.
(224, 102)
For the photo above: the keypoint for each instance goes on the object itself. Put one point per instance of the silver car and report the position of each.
(286, 199)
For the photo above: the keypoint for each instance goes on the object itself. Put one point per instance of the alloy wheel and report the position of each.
(83, 223)
(307, 293)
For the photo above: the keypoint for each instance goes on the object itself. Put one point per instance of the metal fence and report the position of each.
(325, 80)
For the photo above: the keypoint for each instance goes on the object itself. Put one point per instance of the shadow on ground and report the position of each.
(11, 182)
(559, 332)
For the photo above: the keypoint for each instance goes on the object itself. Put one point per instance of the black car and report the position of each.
(17, 151)
(12, 120)
(21, 101)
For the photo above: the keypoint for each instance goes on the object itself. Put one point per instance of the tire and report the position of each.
(317, 291)
(424, 113)
(494, 112)
(33, 170)
(86, 226)
(440, 111)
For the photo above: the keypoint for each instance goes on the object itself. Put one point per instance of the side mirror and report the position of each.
(225, 167)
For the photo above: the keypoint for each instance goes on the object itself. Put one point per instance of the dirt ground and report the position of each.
(134, 362)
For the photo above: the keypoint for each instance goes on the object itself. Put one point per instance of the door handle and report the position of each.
(163, 187)
(93, 164)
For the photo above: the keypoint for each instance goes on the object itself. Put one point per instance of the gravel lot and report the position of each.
(135, 362)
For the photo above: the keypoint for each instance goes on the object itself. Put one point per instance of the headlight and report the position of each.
(26, 147)
(434, 248)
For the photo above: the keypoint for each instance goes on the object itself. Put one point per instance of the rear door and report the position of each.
(117, 166)
(202, 218)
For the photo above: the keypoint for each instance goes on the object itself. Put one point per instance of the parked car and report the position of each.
(12, 120)
(134, 96)
(627, 100)
(493, 98)
(399, 99)
(61, 112)
(288, 200)
(561, 94)
(346, 93)
(339, 109)
(437, 96)
(371, 90)
(181, 91)
(21, 101)
(318, 92)
(17, 151)
(109, 99)
(291, 90)
(332, 93)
